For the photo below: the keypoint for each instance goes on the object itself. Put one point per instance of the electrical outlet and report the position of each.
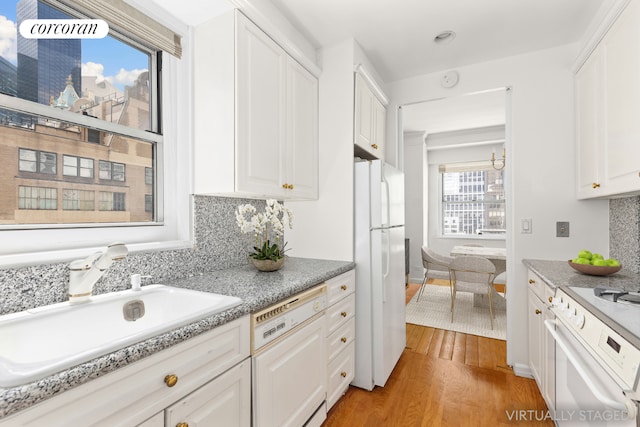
(562, 229)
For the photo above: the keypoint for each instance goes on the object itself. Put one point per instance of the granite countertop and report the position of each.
(256, 289)
(558, 274)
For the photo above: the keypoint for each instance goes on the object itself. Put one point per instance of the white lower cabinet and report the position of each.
(139, 393)
(340, 335)
(222, 402)
(541, 343)
(290, 377)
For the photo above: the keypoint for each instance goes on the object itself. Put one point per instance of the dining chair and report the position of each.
(472, 274)
(436, 267)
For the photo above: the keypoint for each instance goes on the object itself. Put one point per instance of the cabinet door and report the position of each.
(302, 132)
(535, 317)
(364, 99)
(589, 126)
(380, 128)
(290, 378)
(622, 83)
(225, 401)
(260, 111)
(549, 363)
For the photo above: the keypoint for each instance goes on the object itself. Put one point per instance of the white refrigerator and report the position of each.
(380, 271)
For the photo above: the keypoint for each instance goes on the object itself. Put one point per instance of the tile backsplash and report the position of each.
(624, 232)
(218, 245)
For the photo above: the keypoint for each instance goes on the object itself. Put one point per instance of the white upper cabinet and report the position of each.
(256, 114)
(370, 121)
(607, 111)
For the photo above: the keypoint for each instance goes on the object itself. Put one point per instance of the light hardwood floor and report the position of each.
(444, 378)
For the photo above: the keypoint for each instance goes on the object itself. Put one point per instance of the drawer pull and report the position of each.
(343, 339)
(171, 380)
(531, 281)
(374, 146)
(343, 314)
(538, 311)
(550, 299)
(343, 374)
(595, 185)
(343, 287)
(182, 425)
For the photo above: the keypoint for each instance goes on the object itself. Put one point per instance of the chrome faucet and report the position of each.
(86, 272)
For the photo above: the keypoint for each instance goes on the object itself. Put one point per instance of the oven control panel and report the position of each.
(619, 357)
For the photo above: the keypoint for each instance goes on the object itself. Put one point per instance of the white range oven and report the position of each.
(597, 334)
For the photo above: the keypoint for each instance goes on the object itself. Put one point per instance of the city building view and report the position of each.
(473, 202)
(58, 172)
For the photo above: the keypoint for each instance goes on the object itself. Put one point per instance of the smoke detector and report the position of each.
(449, 79)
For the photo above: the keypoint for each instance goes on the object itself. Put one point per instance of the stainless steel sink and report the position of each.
(42, 341)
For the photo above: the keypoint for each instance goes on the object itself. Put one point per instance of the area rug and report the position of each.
(433, 310)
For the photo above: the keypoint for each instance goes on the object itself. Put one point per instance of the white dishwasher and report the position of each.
(289, 361)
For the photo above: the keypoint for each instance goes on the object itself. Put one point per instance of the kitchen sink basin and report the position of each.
(42, 341)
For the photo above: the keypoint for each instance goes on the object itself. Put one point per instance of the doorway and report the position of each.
(458, 134)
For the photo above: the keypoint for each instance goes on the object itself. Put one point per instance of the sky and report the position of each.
(106, 58)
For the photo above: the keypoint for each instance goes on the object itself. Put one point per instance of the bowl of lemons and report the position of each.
(594, 264)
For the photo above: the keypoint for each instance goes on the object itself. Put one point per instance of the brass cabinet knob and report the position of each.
(285, 185)
(182, 425)
(531, 281)
(538, 311)
(171, 380)
(343, 339)
(550, 299)
(343, 314)
(595, 185)
(343, 374)
(290, 186)
(374, 146)
(343, 287)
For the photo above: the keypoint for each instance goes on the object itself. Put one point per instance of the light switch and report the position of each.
(526, 225)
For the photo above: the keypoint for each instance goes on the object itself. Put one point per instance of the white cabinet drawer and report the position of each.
(340, 286)
(341, 338)
(536, 284)
(341, 372)
(132, 394)
(340, 312)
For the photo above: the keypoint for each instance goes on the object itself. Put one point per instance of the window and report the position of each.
(37, 161)
(78, 200)
(77, 100)
(148, 203)
(100, 130)
(39, 198)
(77, 166)
(148, 176)
(472, 201)
(110, 201)
(112, 171)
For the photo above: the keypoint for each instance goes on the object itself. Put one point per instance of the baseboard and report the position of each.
(522, 370)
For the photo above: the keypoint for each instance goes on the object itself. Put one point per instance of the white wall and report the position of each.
(540, 166)
(324, 228)
(415, 214)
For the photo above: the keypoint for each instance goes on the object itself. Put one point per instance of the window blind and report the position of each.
(129, 20)
(482, 165)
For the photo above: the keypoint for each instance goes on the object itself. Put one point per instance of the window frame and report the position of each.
(173, 226)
